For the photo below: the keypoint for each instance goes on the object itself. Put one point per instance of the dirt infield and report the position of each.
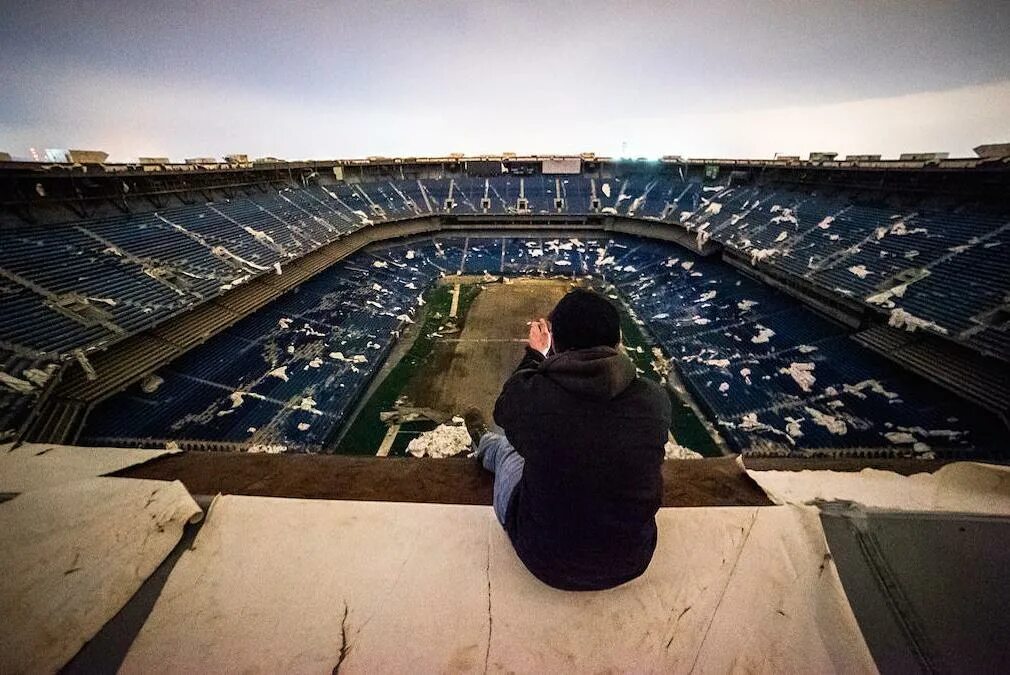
(468, 368)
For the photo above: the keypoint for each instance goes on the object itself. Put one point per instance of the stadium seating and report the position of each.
(290, 374)
(68, 290)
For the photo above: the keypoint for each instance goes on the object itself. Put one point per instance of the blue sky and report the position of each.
(349, 79)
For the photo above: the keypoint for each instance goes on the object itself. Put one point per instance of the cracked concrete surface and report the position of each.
(733, 587)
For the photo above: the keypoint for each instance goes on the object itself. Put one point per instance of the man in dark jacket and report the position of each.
(578, 469)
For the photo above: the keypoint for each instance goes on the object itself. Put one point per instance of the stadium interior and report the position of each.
(270, 342)
(807, 309)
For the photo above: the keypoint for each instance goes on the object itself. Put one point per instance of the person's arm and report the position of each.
(516, 392)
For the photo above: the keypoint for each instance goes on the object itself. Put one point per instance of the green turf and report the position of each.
(367, 431)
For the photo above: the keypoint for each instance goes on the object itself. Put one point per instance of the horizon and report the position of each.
(317, 81)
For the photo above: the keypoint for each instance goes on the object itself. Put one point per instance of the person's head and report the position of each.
(584, 319)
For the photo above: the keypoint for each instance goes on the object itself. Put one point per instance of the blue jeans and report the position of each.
(498, 456)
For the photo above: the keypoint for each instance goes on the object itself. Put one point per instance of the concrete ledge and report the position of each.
(315, 586)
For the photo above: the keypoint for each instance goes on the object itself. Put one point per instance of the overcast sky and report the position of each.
(349, 79)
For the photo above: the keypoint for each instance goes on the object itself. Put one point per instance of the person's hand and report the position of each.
(540, 336)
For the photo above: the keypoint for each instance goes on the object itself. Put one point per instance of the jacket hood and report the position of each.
(597, 373)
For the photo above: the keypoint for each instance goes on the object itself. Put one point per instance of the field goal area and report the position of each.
(465, 343)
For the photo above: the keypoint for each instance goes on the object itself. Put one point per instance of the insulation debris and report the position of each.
(150, 384)
(764, 334)
(802, 373)
(268, 449)
(829, 422)
(673, 450)
(281, 373)
(901, 319)
(445, 440)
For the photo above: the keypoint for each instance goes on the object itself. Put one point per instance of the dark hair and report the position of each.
(584, 319)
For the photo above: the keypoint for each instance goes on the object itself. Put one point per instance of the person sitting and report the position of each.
(578, 463)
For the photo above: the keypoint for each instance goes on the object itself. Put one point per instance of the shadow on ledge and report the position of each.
(706, 482)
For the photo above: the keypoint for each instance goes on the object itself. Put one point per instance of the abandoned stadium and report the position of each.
(243, 339)
(794, 310)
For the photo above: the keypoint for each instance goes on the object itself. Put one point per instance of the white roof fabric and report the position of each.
(308, 585)
(73, 555)
(36, 465)
(962, 487)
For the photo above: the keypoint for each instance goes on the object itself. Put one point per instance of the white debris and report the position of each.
(829, 422)
(760, 254)
(749, 422)
(222, 252)
(404, 318)
(105, 301)
(706, 296)
(860, 271)
(150, 384)
(16, 383)
(562, 263)
(793, 426)
(675, 451)
(281, 373)
(373, 303)
(277, 268)
(687, 265)
(873, 385)
(901, 319)
(259, 235)
(900, 437)
(235, 282)
(806, 349)
(357, 358)
(380, 264)
(661, 315)
(605, 189)
(40, 376)
(826, 222)
(410, 254)
(303, 426)
(764, 334)
(700, 321)
(745, 305)
(308, 404)
(284, 323)
(315, 363)
(745, 374)
(718, 363)
(802, 373)
(782, 236)
(724, 387)
(268, 449)
(445, 440)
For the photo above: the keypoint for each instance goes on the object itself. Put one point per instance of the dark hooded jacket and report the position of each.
(592, 435)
